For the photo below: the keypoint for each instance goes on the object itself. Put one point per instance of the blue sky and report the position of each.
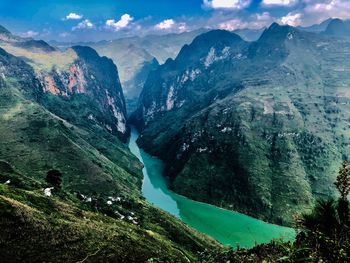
(83, 20)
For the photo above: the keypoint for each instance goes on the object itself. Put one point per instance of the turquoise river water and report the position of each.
(228, 227)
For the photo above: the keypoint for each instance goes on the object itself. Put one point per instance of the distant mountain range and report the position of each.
(135, 57)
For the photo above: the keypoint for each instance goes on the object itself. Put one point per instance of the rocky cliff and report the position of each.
(77, 75)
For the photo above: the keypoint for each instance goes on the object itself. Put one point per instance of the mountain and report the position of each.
(135, 57)
(317, 28)
(76, 75)
(338, 28)
(61, 112)
(256, 127)
(35, 44)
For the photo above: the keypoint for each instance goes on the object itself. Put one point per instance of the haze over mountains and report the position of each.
(135, 57)
(254, 121)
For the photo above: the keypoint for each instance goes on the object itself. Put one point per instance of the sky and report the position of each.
(94, 20)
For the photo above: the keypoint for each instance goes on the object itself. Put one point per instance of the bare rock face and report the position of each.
(93, 78)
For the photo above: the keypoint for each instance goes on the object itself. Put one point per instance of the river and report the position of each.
(228, 227)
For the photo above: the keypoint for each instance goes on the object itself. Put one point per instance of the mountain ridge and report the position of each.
(233, 124)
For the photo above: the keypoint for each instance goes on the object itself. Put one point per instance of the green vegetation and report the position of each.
(36, 228)
(63, 228)
(41, 60)
(256, 127)
(53, 178)
(324, 235)
(69, 188)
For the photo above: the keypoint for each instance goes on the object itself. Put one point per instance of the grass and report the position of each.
(37, 228)
(40, 141)
(42, 61)
(66, 227)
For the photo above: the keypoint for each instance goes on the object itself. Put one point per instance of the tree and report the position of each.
(325, 231)
(343, 180)
(53, 177)
(343, 186)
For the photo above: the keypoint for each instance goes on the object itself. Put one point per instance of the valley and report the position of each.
(175, 143)
(256, 127)
(229, 228)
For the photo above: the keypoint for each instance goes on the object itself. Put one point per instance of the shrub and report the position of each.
(53, 178)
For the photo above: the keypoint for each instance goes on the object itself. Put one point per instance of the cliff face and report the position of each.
(93, 81)
(64, 110)
(256, 127)
(78, 75)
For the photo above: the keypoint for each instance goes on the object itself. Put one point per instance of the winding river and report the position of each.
(229, 228)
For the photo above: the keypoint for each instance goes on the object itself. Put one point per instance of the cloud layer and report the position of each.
(226, 4)
(120, 24)
(224, 14)
(279, 2)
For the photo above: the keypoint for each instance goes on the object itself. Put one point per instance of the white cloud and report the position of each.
(73, 16)
(29, 33)
(292, 19)
(226, 4)
(170, 25)
(279, 2)
(328, 8)
(182, 27)
(86, 24)
(166, 24)
(232, 24)
(122, 23)
(255, 21)
(265, 16)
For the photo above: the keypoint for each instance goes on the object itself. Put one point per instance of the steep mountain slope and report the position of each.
(338, 28)
(135, 57)
(129, 56)
(317, 28)
(76, 75)
(54, 111)
(255, 127)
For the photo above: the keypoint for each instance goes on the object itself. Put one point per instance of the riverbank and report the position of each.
(228, 227)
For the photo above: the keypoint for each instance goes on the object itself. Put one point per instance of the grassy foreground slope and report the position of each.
(98, 215)
(36, 228)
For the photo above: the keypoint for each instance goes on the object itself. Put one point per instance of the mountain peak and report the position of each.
(338, 28)
(214, 36)
(35, 44)
(4, 31)
(277, 32)
(204, 42)
(275, 27)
